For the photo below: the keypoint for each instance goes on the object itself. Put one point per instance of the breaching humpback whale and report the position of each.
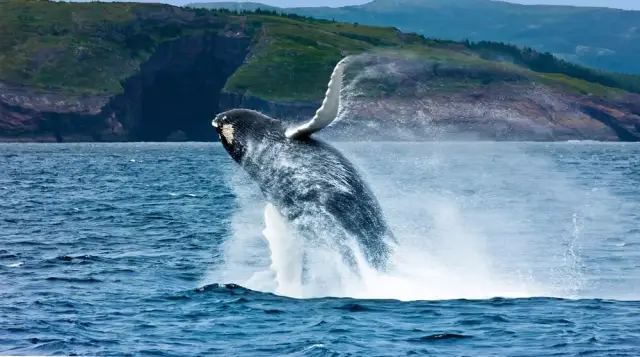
(312, 185)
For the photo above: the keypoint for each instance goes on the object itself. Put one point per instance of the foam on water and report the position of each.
(286, 254)
(440, 255)
(452, 243)
(461, 270)
(456, 242)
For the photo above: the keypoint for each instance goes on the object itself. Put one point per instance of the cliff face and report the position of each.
(418, 100)
(180, 88)
(170, 101)
(537, 114)
(30, 115)
(174, 90)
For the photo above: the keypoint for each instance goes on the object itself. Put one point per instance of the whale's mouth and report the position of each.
(219, 126)
(216, 125)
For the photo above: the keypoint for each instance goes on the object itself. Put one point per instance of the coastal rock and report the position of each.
(177, 89)
(536, 114)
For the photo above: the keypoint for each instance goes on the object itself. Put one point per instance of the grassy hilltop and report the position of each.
(93, 47)
(87, 47)
(598, 37)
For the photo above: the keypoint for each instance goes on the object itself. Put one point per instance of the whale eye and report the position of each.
(227, 133)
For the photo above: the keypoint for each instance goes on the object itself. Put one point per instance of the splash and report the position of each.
(416, 274)
(468, 226)
(286, 253)
(464, 225)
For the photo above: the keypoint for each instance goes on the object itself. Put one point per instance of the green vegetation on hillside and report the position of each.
(86, 47)
(93, 47)
(547, 63)
(603, 38)
(294, 58)
(300, 61)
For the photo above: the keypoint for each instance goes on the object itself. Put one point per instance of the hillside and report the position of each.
(598, 37)
(152, 72)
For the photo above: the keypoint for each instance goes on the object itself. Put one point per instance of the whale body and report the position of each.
(312, 184)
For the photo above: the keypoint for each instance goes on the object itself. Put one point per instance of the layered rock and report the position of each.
(536, 114)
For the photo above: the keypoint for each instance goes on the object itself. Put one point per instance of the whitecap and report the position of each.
(313, 347)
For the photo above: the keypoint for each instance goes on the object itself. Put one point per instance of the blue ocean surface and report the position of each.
(505, 249)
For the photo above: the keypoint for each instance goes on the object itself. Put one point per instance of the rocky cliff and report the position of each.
(535, 114)
(165, 72)
(419, 102)
(172, 92)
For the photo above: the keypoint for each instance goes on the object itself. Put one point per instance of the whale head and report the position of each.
(237, 128)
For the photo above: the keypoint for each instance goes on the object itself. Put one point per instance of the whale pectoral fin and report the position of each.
(328, 112)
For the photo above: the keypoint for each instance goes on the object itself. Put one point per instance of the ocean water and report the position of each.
(506, 249)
